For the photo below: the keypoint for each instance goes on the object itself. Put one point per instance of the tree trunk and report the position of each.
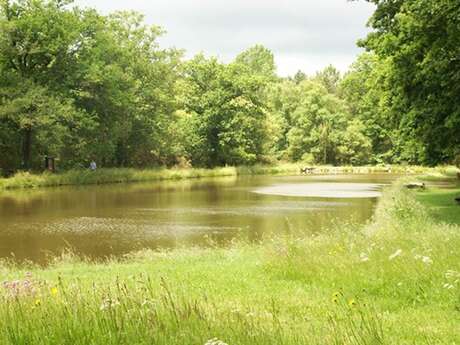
(26, 148)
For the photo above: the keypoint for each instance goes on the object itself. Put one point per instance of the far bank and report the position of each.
(126, 175)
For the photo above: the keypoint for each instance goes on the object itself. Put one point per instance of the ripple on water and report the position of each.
(324, 190)
(132, 228)
(246, 210)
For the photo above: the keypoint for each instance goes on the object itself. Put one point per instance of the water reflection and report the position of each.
(324, 190)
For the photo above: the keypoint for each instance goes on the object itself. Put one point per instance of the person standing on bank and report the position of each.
(93, 166)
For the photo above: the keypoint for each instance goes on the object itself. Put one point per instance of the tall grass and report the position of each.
(104, 176)
(395, 281)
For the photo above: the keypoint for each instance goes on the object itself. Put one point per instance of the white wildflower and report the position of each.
(147, 302)
(450, 274)
(364, 257)
(215, 341)
(109, 303)
(395, 254)
(448, 286)
(427, 260)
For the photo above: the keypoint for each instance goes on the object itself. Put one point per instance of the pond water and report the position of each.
(101, 221)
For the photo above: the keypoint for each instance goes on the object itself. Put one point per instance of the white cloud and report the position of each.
(303, 34)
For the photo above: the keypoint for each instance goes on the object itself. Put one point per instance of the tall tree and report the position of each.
(99, 86)
(39, 46)
(315, 124)
(299, 77)
(420, 39)
(330, 78)
(128, 83)
(366, 89)
(259, 60)
(223, 112)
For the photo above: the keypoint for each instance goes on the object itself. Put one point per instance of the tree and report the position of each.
(366, 90)
(100, 86)
(39, 45)
(42, 118)
(259, 60)
(223, 112)
(330, 78)
(129, 83)
(355, 146)
(316, 121)
(283, 99)
(420, 40)
(299, 77)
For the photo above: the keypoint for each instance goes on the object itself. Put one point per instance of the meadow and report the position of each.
(394, 281)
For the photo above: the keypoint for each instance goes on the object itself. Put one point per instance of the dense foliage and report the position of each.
(80, 86)
(418, 42)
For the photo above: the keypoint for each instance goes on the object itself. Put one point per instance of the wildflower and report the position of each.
(215, 341)
(395, 254)
(448, 286)
(147, 302)
(351, 303)
(450, 274)
(37, 302)
(18, 288)
(109, 303)
(335, 300)
(54, 291)
(427, 260)
(364, 257)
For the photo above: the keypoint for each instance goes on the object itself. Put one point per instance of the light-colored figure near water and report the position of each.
(93, 166)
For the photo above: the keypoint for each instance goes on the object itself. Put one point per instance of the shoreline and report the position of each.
(25, 180)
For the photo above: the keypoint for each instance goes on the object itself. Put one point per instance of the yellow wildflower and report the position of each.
(54, 291)
(38, 302)
(352, 303)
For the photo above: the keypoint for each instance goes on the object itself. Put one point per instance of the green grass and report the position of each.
(26, 180)
(394, 281)
(442, 204)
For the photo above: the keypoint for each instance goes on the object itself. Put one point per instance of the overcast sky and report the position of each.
(303, 34)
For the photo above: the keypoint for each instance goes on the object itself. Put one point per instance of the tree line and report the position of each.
(81, 86)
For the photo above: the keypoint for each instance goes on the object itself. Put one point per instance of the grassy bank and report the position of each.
(124, 175)
(395, 281)
(442, 204)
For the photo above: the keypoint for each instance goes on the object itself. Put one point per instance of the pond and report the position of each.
(113, 220)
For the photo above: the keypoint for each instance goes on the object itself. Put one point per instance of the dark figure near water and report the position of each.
(50, 164)
(415, 185)
(457, 199)
(306, 170)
